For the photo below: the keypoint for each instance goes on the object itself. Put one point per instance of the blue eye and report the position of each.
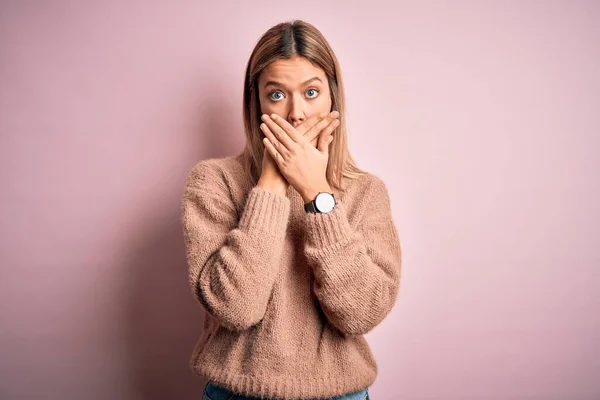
(314, 90)
(271, 95)
(279, 92)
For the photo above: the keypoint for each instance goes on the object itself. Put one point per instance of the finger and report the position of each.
(272, 150)
(324, 141)
(309, 123)
(280, 135)
(316, 130)
(329, 129)
(319, 126)
(290, 137)
(282, 129)
(282, 150)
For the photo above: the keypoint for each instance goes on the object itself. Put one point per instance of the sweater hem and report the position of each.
(286, 387)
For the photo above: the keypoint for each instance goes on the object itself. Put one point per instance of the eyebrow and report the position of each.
(275, 83)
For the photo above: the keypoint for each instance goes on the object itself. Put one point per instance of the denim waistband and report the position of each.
(213, 391)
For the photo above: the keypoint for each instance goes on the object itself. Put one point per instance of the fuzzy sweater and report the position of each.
(288, 295)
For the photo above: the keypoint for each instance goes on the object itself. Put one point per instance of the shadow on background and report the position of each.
(162, 319)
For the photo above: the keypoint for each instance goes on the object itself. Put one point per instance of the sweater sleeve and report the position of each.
(232, 262)
(357, 270)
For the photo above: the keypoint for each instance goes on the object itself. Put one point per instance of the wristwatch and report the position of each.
(323, 203)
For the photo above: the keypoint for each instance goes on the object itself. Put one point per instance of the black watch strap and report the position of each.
(310, 207)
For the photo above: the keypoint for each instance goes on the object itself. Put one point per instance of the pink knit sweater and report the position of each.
(288, 295)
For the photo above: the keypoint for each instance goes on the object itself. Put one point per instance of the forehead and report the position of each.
(292, 71)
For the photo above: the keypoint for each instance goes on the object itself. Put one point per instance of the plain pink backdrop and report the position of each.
(483, 118)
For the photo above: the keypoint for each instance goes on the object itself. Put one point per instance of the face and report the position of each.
(294, 89)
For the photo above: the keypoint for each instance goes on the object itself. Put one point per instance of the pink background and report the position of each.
(483, 118)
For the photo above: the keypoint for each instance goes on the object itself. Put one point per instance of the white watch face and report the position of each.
(324, 202)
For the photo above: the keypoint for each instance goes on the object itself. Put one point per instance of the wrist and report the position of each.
(309, 194)
(275, 185)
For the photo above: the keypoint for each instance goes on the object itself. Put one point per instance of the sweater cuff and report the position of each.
(323, 230)
(266, 213)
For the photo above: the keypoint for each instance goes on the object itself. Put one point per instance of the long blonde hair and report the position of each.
(288, 40)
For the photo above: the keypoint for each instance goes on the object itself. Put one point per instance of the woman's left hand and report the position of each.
(303, 165)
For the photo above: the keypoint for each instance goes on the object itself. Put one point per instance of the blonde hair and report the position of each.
(285, 41)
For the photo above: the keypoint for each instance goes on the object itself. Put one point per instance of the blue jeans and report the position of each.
(214, 392)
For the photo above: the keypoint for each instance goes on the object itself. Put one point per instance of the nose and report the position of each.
(296, 114)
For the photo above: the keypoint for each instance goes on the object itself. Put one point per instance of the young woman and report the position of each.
(292, 249)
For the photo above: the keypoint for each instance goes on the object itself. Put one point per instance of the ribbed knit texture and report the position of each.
(288, 295)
